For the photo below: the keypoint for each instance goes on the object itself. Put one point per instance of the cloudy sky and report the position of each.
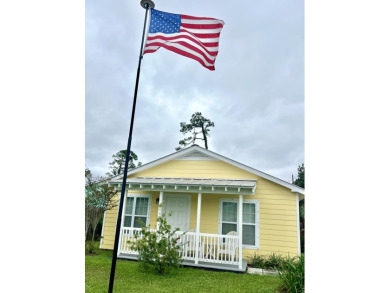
(255, 96)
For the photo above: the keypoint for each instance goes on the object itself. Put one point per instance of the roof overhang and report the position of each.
(220, 186)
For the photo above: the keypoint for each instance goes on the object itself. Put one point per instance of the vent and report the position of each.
(196, 156)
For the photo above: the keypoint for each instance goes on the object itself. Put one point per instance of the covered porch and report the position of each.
(221, 250)
(204, 250)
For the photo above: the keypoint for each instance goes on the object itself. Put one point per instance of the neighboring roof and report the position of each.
(197, 149)
(206, 185)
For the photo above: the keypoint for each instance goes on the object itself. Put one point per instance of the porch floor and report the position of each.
(201, 264)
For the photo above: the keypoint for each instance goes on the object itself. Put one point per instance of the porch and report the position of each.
(222, 250)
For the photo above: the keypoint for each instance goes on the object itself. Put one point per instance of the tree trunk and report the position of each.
(87, 222)
(120, 168)
(86, 229)
(204, 138)
(93, 238)
(95, 218)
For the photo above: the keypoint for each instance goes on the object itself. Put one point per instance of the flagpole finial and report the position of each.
(147, 4)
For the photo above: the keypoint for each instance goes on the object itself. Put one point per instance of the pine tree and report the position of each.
(198, 125)
(118, 164)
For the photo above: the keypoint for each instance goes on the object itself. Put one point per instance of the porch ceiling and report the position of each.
(204, 185)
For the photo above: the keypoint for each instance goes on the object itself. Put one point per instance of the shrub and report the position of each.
(273, 261)
(89, 247)
(292, 275)
(159, 249)
(257, 261)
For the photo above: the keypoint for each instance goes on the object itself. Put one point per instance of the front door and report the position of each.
(179, 205)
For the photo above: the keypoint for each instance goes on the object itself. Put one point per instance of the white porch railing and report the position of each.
(213, 248)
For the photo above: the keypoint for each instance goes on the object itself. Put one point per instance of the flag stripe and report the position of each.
(202, 26)
(205, 37)
(202, 31)
(204, 41)
(210, 50)
(177, 48)
(186, 49)
(151, 49)
(201, 21)
(183, 16)
(189, 46)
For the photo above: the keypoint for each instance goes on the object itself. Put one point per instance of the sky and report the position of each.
(255, 96)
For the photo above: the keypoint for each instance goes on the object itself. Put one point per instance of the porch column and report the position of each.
(197, 237)
(240, 232)
(120, 246)
(159, 211)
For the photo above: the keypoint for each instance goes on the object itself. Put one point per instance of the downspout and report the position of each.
(298, 228)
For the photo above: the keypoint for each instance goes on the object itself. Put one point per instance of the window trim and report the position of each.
(257, 219)
(136, 195)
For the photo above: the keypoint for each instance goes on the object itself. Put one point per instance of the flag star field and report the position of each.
(164, 22)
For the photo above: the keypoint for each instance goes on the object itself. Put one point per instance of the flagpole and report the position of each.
(147, 4)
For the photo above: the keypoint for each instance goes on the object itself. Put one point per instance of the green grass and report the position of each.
(129, 278)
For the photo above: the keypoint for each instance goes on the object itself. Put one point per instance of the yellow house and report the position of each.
(229, 210)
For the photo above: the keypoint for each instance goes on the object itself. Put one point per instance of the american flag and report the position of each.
(193, 37)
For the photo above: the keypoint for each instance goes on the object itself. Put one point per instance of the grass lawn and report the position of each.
(128, 278)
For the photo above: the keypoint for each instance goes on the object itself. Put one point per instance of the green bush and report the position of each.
(257, 261)
(274, 261)
(159, 249)
(292, 275)
(89, 247)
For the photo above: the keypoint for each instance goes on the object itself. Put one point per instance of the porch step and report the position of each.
(217, 266)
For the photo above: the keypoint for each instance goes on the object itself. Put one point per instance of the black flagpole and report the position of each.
(147, 4)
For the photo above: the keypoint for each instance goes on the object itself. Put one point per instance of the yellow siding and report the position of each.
(278, 211)
(109, 228)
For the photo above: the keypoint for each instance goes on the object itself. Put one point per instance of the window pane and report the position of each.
(249, 213)
(249, 235)
(229, 211)
(139, 222)
(127, 221)
(141, 208)
(226, 228)
(129, 205)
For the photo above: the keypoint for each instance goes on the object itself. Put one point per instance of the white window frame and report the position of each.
(257, 219)
(136, 195)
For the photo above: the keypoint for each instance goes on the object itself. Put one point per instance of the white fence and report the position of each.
(211, 248)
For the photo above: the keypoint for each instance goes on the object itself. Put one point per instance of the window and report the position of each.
(229, 217)
(249, 224)
(136, 211)
(250, 220)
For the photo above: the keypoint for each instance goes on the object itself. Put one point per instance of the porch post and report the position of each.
(159, 212)
(122, 222)
(197, 237)
(240, 232)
